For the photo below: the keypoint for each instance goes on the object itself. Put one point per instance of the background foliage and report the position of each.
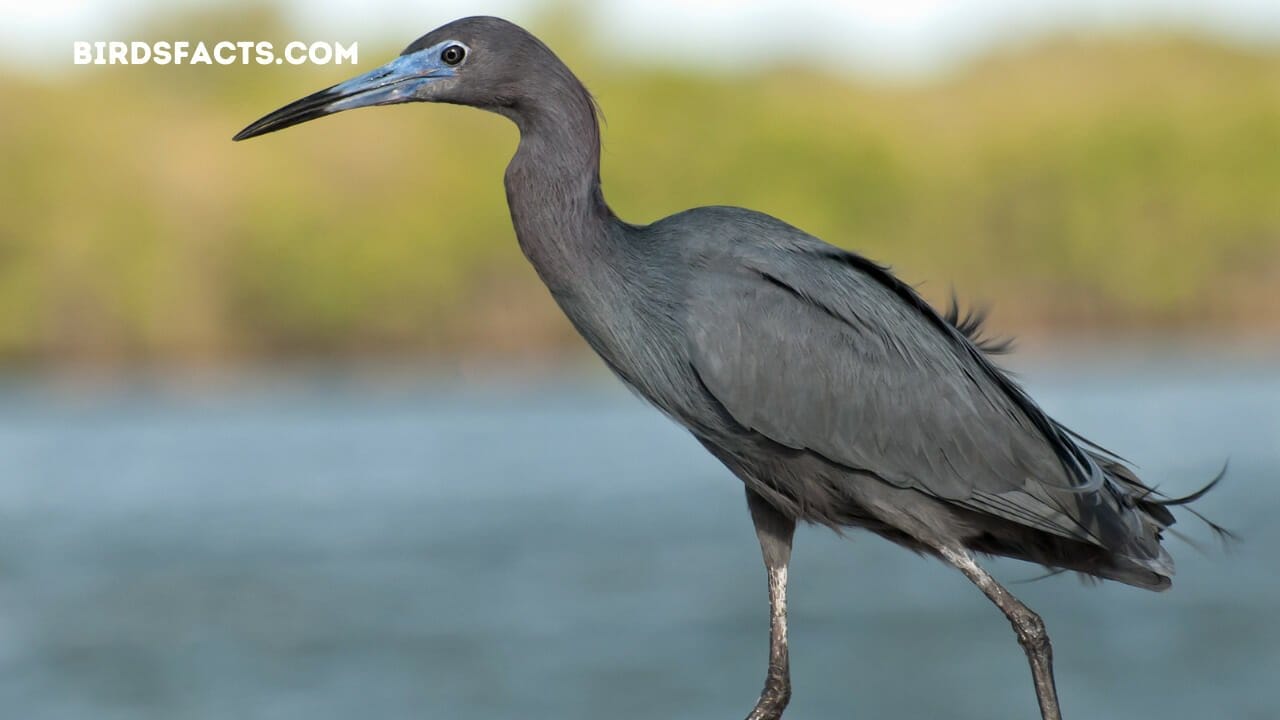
(1114, 183)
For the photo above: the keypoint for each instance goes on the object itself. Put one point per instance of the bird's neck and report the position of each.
(553, 187)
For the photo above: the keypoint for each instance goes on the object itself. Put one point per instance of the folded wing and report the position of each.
(821, 350)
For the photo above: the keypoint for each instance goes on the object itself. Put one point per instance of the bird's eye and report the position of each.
(453, 54)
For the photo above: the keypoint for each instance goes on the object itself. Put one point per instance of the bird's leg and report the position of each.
(774, 531)
(1028, 625)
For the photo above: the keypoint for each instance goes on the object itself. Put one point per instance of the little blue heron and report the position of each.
(827, 385)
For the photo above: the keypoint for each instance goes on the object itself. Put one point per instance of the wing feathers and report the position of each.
(824, 351)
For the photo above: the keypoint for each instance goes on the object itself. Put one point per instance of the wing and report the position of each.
(821, 350)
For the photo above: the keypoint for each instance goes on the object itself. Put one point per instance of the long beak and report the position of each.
(396, 82)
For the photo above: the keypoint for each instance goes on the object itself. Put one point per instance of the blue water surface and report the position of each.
(315, 546)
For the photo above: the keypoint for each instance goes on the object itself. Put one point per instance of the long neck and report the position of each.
(553, 184)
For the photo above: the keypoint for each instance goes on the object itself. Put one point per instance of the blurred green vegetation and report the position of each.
(1117, 182)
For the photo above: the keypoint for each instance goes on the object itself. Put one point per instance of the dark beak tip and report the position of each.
(311, 107)
(245, 134)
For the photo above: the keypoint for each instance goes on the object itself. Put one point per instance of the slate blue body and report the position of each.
(829, 387)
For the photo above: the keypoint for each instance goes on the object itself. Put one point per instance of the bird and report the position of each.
(826, 384)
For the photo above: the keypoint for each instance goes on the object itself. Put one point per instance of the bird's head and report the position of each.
(479, 61)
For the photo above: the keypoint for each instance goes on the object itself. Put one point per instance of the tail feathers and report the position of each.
(1143, 561)
(1156, 504)
(1129, 572)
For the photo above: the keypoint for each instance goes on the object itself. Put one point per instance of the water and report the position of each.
(319, 549)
